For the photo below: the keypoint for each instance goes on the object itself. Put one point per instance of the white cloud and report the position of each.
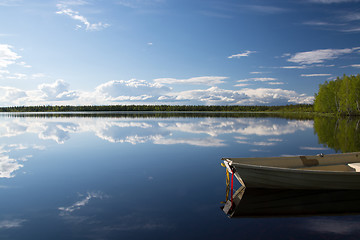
(138, 3)
(135, 91)
(352, 17)
(319, 56)
(207, 80)
(38, 75)
(321, 23)
(262, 79)
(263, 143)
(275, 83)
(256, 150)
(18, 76)
(132, 90)
(242, 85)
(316, 75)
(314, 148)
(270, 96)
(4, 72)
(244, 54)
(355, 65)
(355, 29)
(259, 96)
(266, 9)
(7, 56)
(10, 3)
(8, 95)
(213, 95)
(267, 80)
(57, 91)
(316, 23)
(294, 67)
(24, 64)
(73, 3)
(65, 10)
(275, 140)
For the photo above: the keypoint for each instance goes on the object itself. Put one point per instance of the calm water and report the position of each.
(150, 177)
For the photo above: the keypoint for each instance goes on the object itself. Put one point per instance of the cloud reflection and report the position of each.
(203, 142)
(9, 165)
(79, 204)
(267, 127)
(58, 132)
(15, 223)
(335, 226)
(137, 222)
(199, 132)
(13, 128)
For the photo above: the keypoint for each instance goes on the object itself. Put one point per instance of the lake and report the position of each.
(153, 176)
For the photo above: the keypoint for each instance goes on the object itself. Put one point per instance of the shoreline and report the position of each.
(161, 108)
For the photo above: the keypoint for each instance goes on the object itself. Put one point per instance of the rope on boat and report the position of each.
(227, 183)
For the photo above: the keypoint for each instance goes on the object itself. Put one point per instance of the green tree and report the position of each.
(341, 96)
(346, 96)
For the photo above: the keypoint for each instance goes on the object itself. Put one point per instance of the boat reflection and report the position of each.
(248, 203)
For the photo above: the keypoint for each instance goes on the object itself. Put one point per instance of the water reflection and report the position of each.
(81, 203)
(200, 132)
(341, 134)
(291, 203)
(8, 165)
(14, 223)
(332, 226)
(133, 177)
(157, 131)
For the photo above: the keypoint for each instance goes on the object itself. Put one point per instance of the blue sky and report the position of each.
(203, 52)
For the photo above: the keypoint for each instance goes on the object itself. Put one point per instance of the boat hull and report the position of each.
(295, 203)
(281, 178)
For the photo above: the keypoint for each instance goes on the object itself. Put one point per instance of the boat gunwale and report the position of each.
(282, 169)
(294, 157)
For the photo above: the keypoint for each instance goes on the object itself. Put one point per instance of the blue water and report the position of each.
(144, 178)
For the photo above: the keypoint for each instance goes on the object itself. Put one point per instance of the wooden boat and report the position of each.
(333, 171)
(262, 203)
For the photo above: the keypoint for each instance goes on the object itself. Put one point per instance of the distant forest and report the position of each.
(341, 96)
(161, 108)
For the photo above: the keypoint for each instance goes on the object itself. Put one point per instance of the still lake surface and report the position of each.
(143, 176)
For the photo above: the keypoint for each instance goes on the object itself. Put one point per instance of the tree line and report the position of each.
(160, 108)
(341, 96)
